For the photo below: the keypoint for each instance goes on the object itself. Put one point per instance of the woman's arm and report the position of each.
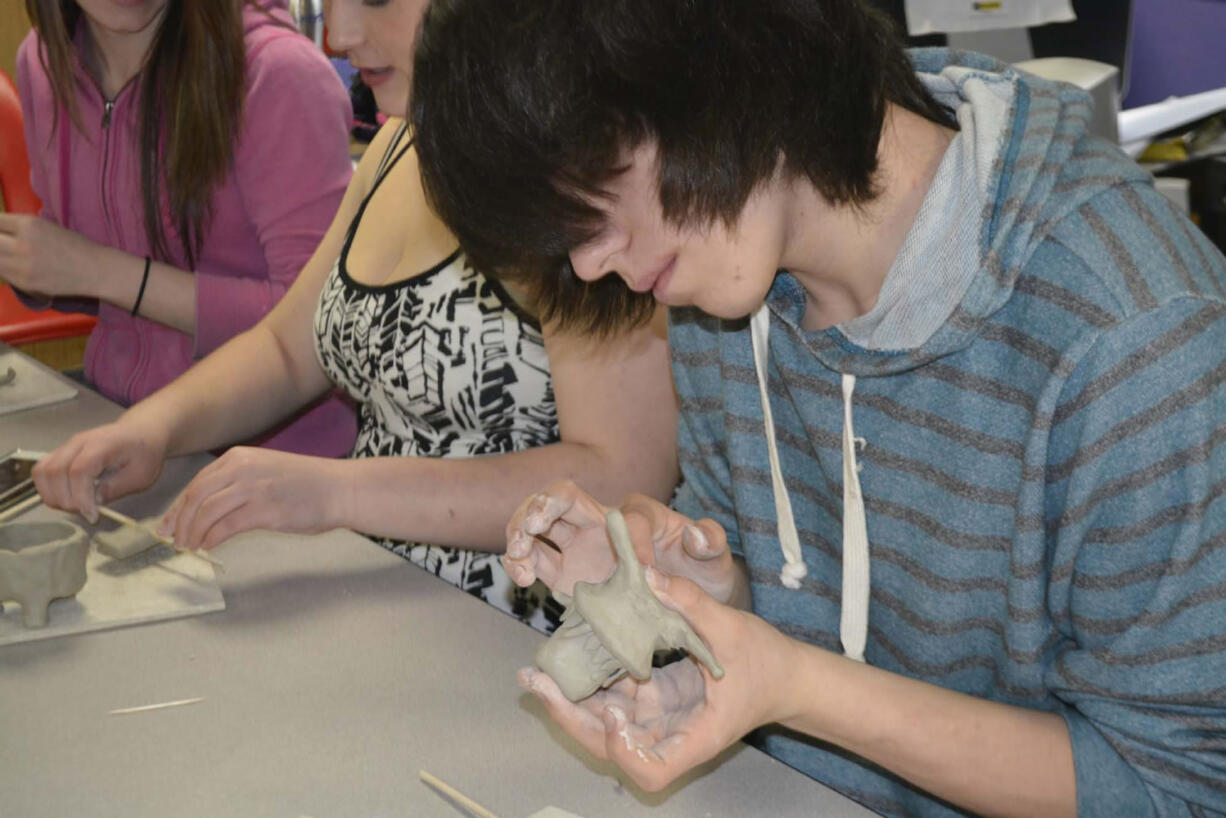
(617, 413)
(247, 385)
(170, 293)
(291, 166)
(264, 374)
(617, 417)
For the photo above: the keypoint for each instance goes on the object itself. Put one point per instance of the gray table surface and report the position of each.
(336, 673)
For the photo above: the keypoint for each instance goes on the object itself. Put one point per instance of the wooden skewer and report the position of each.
(21, 508)
(123, 711)
(455, 795)
(124, 519)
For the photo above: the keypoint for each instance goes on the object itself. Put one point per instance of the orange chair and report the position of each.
(19, 325)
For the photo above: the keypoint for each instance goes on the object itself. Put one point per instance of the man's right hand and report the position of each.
(574, 523)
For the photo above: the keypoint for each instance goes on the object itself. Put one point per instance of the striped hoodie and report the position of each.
(1041, 476)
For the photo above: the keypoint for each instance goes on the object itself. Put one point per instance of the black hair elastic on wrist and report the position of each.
(143, 281)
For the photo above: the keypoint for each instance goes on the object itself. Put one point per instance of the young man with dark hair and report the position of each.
(924, 323)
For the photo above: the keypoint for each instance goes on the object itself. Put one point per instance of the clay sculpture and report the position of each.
(615, 627)
(40, 562)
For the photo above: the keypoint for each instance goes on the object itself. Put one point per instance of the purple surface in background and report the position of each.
(346, 71)
(1178, 48)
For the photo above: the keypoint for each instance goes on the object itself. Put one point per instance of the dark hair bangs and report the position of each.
(524, 109)
(519, 219)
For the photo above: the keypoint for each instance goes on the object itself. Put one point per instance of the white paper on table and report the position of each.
(930, 16)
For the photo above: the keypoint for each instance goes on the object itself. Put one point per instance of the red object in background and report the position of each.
(328, 48)
(18, 324)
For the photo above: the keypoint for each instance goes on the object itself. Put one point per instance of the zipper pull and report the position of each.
(107, 107)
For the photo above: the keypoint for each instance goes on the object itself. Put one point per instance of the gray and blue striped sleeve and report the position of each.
(1136, 516)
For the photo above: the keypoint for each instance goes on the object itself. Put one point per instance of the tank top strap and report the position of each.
(388, 158)
(391, 156)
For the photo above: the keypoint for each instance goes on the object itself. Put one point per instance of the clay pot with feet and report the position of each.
(40, 562)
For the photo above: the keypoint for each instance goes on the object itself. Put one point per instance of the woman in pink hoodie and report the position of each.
(189, 157)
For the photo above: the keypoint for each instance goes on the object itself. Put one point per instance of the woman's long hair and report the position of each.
(192, 89)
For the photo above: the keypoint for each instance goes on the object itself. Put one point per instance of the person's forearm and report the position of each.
(991, 758)
(467, 502)
(241, 390)
(170, 293)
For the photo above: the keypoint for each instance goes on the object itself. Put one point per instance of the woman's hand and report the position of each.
(659, 729)
(574, 523)
(39, 256)
(99, 465)
(249, 488)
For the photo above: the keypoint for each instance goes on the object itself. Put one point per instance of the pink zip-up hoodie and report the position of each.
(291, 167)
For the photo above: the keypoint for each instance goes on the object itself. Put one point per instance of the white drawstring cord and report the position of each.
(853, 616)
(794, 569)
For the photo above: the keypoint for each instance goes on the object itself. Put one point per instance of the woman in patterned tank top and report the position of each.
(465, 402)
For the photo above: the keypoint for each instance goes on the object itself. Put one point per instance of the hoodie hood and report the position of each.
(1003, 171)
(260, 13)
(1018, 163)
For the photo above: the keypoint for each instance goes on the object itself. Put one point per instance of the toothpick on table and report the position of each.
(123, 711)
(124, 519)
(455, 795)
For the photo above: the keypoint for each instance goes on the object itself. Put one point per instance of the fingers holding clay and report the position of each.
(629, 624)
(558, 536)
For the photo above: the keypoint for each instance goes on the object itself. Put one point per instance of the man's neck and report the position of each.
(841, 255)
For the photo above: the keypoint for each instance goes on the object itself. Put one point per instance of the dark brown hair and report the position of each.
(192, 87)
(523, 111)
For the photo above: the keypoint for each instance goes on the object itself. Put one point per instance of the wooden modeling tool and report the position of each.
(136, 537)
(19, 509)
(455, 796)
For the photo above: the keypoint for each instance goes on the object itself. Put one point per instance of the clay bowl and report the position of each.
(40, 562)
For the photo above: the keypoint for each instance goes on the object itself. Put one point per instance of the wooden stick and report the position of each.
(123, 711)
(21, 508)
(455, 795)
(124, 519)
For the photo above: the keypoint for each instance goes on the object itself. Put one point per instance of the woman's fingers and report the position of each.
(51, 474)
(210, 480)
(213, 517)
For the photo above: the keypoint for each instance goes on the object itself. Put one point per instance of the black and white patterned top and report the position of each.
(441, 364)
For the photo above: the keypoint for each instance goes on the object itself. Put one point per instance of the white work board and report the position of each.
(155, 585)
(33, 385)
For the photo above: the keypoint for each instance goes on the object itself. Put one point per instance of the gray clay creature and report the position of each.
(615, 627)
(40, 562)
